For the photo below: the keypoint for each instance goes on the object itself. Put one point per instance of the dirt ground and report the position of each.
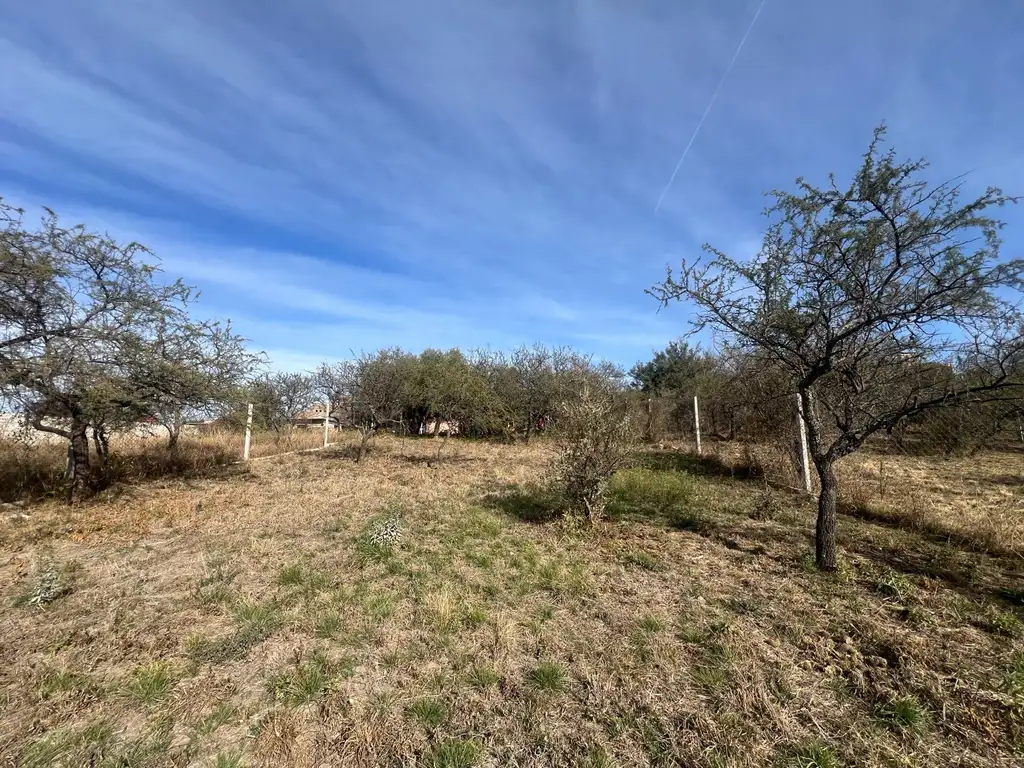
(310, 611)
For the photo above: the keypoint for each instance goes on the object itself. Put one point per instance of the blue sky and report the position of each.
(340, 176)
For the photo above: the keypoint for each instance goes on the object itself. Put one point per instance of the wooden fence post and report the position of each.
(696, 423)
(327, 421)
(805, 464)
(248, 434)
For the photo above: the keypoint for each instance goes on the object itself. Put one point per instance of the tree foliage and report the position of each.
(92, 338)
(880, 301)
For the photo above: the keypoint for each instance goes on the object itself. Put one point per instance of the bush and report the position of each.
(595, 437)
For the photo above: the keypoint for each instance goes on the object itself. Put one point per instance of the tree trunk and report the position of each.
(364, 439)
(78, 460)
(102, 443)
(173, 433)
(825, 550)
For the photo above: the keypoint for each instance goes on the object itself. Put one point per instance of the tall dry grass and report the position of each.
(36, 470)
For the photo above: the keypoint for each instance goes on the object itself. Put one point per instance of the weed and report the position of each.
(598, 758)
(454, 753)
(222, 714)
(328, 624)
(1013, 679)
(429, 712)
(649, 624)
(309, 679)
(150, 683)
(482, 676)
(51, 582)
(813, 754)
(291, 575)
(714, 670)
(215, 586)
(745, 606)
(474, 617)
(766, 505)
(893, 584)
(1004, 623)
(234, 759)
(643, 561)
(691, 519)
(379, 539)
(905, 714)
(547, 676)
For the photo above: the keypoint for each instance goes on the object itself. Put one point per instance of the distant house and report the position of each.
(314, 417)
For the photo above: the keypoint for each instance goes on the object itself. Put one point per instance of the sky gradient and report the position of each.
(341, 176)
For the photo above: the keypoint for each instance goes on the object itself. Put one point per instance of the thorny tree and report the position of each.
(859, 293)
(87, 330)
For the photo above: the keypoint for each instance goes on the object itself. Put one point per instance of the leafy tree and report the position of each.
(282, 397)
(855, 292)
(677, 368)
(377, 389)
(90, 336)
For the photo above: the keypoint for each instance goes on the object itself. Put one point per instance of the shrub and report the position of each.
(595, 437)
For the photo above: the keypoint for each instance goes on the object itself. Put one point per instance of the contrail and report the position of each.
(711, 103)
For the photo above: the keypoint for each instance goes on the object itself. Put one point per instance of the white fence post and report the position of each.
(248, 434)
(696, 422)
(805, 464)
(327, 421)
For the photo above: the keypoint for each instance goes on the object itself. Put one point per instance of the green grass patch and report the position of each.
(812, 754)
(430, 713)
(642, 560)
(58, 681)
(150, 683)
(548, 677)
(328, 624)
(649, 624)
(482, 676)
(454, 753)
(255, 622)
(309, 679)
(904, 714)
(667, 497)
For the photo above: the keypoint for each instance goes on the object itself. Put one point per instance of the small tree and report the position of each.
(377, 391)
(595, 437)
(90, 337)
(856, 293)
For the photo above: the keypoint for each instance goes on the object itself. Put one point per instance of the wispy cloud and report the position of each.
(345, 175)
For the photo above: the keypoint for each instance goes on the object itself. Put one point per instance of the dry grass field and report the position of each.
(310, 611)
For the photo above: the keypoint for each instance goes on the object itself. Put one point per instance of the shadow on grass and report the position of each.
(709, 465)
(529, 503)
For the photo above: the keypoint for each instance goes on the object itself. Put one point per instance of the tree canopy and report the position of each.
(880, 300)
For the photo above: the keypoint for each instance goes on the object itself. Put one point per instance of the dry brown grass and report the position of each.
(977, 500)
(245, 615)
(33, 470)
